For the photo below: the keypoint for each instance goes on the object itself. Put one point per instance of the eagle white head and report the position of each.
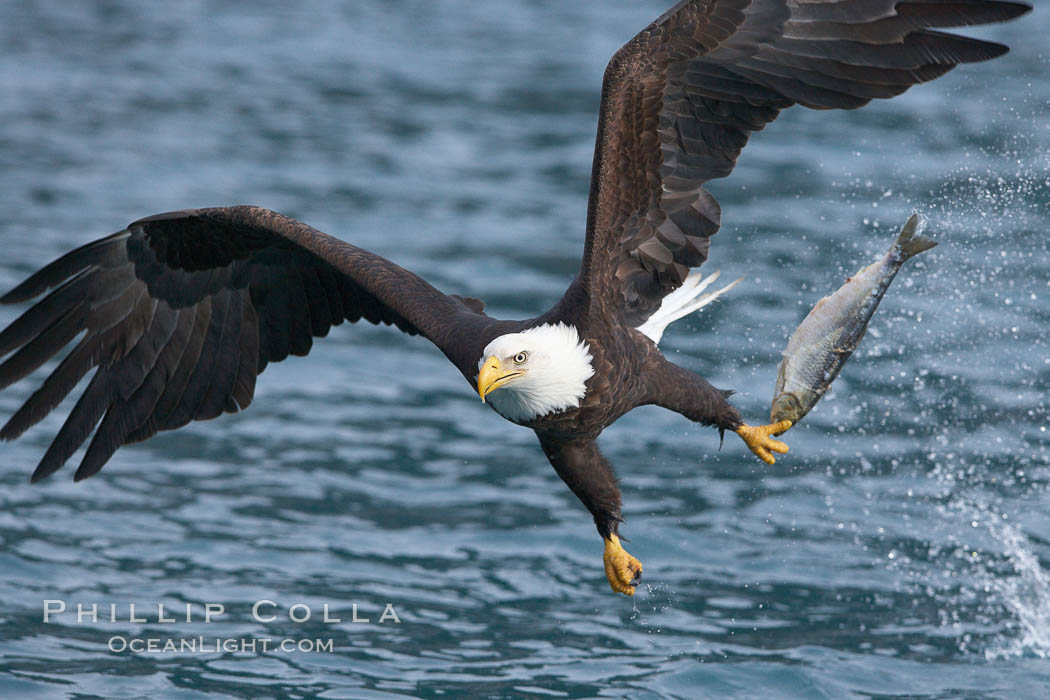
(538, 371)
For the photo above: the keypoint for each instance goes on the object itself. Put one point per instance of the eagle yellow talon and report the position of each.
(623, 571)
(758, 439)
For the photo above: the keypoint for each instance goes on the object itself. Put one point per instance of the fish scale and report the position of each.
(831, 331)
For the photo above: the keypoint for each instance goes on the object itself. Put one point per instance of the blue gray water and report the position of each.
(901, 549)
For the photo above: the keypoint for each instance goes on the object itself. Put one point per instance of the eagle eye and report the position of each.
(520, 358)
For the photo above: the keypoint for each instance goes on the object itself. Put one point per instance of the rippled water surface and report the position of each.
(901, 549)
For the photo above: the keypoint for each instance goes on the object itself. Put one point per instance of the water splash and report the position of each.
(1026, 595)
(1006, 582)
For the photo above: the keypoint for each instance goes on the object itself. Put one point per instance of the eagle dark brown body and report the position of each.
(179, 313)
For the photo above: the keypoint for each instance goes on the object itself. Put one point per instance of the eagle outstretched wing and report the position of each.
(180, 313)
(680, 100)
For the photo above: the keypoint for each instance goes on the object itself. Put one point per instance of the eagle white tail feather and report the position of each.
(683, 301)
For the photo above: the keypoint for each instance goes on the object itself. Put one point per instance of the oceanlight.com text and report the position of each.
(207, 645)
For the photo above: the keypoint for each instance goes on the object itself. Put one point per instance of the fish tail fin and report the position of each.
(911, 241)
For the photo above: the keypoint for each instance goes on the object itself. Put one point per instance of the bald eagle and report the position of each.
(179, 313)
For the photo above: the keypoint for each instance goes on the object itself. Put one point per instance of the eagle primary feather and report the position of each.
(179, 313)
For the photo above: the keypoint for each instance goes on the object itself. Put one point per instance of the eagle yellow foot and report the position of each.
(623, 571)
(759, 441)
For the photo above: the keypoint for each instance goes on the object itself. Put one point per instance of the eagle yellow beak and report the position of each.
(492, 377)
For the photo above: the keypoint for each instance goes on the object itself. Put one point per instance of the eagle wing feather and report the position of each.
(180, 313)
(680, 100)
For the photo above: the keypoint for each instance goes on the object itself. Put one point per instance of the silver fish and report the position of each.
(829, 334)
